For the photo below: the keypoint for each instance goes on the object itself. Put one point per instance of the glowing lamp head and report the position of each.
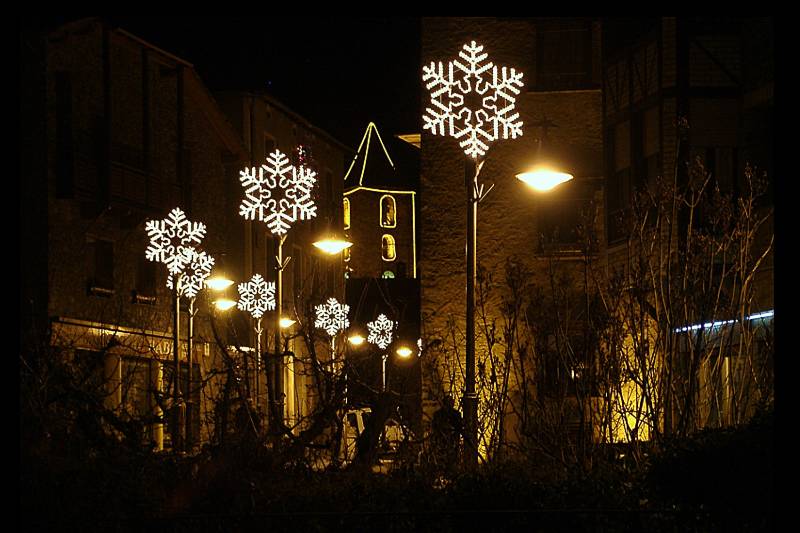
(223, 304)
(218, 282)
(286, 322)
(404, 351)
(356, 340)
(544, 178)
(332, 246)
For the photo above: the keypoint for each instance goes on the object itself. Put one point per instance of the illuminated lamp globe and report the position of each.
(356, 340)
(404, 351)
(218, 282)
(332, 245)
(543, 178)
(286, 322)
(223, 304)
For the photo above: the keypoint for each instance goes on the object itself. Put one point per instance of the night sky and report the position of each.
(338, 72)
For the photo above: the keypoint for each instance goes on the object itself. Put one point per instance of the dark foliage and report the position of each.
(720, 480)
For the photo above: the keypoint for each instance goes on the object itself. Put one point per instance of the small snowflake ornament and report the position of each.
(170, 239)
(472, 101)
(380, 331)
(278, 193)
(256, 296)
(194, 274)
(332, 316)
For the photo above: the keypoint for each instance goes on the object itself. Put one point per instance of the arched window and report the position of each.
(388, 275)
(388, 212)
(346, 213)
(388, 252)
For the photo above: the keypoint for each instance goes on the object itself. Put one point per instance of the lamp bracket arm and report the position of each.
(282, 265)
(480, 194)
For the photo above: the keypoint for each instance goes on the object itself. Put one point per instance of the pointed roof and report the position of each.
(372, 166)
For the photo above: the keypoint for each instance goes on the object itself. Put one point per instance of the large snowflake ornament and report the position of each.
(472, 101)
(194, 274)
(171, 238)
(278, 193)
(380, 331)
(256, 296)
(332, 316)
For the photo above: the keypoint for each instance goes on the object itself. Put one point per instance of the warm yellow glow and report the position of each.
(332, 246)
(223, 304)
(286, 322)
(388, 250)
(544, 178)
(218, 282)
(404, 351)
(356, 340)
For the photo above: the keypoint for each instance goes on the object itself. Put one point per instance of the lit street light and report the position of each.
(472, 101)
(278, 194)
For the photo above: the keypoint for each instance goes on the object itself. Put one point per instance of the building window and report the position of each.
(145, 291)
(388, 212)
(619, 191)
(564, 56)
(388, 252)
(101, 279)
(567, 220)
(346, 213)
(388, 274)
(346, 254)
(651, 147)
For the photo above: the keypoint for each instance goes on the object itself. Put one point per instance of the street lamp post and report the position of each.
(381, 331)
(278, 194)
(178, 406)
(255, 297)
(477, 109)
(172, 242)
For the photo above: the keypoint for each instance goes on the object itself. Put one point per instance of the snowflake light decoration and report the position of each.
(171, 238)
(380, 331)
(472, 102)
(277, 193)
(332, 316)
(256, 296)
(198, 269)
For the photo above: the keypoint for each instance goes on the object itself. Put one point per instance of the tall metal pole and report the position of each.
(178, 408)
(259, 331)
(470, 402)
(384, 357)
(189, 404)
(277, 389)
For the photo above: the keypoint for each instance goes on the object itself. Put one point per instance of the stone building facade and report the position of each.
(130, 132)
